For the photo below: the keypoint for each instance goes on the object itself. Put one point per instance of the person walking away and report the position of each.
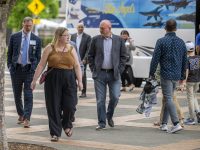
(198, 43)
(107, 57)
(198, 49)
(127, 75)
(24, 52)
(192, 83)
(170, 53)
(60, 87)
(82, 41)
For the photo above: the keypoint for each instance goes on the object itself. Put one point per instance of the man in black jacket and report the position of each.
(107, 57)
(82, 41)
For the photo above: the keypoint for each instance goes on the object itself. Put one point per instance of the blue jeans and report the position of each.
(100, 83)
(168, 88)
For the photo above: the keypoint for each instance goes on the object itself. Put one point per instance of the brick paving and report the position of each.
(132, 131)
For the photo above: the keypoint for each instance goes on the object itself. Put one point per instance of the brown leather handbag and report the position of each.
(43, 76)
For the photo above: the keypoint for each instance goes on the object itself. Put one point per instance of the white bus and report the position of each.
(144, 19)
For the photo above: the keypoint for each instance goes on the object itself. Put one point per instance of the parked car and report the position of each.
(142, 56)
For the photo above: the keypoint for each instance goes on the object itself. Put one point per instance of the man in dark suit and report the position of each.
(82, 41)
(107, 57)
(24, 52)
(82, 69)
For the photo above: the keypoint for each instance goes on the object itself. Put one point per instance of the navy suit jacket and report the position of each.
(15, 47)
(96, 55)
(84, 45)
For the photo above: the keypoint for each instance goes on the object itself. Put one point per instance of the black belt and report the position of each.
(107, 70)
(22, 66)
(26, 67)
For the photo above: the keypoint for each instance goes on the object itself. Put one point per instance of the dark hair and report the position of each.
(124, 32)
(170, 25)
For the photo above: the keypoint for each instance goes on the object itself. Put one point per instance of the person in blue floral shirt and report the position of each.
(170, 52)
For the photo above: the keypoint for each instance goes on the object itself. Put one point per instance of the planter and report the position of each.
(26, 146)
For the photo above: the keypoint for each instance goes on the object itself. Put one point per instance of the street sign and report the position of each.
(36, 21)
(36, 6)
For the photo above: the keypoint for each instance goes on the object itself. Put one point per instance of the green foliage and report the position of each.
(46, 41)
(20, 10)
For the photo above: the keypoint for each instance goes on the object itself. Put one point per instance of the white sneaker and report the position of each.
(175, 129)
(164, 127)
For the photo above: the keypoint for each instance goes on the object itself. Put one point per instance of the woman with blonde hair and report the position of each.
(60, 86)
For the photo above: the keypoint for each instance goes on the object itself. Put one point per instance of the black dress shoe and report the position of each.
(20, 120)
(83, 95)
(111, 123)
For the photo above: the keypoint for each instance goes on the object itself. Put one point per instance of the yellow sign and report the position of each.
(36, 6)
(36, 21)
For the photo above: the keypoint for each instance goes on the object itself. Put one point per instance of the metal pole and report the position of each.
(66, 15)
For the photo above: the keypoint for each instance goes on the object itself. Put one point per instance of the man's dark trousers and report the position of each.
(84, 79)
(21, 80)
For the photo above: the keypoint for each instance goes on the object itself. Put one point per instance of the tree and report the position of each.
(20, 11)
(15, 19)
(5, 7)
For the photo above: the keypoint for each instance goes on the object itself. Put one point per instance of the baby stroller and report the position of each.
(148, 97)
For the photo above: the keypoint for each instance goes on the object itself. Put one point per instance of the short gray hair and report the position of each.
(27, 19)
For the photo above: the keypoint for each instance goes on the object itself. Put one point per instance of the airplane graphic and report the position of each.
(155, 24)
(187, 17)
(162, 3)
(180, 4)
(154, 13)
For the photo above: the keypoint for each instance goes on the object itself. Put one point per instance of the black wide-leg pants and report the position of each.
(61, 99)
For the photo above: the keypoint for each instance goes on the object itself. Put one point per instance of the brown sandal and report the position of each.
(54, 138)
(68, 132)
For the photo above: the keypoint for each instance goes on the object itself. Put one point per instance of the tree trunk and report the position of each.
(5, 8)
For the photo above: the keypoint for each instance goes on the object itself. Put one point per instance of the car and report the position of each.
(142, 56)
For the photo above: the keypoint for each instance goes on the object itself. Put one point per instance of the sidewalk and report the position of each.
(132, 131)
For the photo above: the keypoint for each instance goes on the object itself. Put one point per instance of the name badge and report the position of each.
(32, 42)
